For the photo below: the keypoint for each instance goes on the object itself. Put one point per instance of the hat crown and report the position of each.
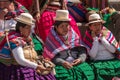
(25, 18)
(62, 15)
(94, 17)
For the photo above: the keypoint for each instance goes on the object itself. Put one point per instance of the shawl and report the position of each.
(55, 43)
(106, 33)
(15, 39)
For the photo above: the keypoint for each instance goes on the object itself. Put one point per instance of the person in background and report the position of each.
(64, 47)
(102, 47)
(18, 59)
(9, 9)
(114, 24)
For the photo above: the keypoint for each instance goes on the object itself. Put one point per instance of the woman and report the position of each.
(18, 60)
(102, 45)
(63, 47)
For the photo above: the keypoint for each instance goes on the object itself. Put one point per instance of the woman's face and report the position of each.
(63, 28)
(25, 31)
(96, 27)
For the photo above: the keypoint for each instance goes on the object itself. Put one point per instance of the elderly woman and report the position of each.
(18, 59)
(63, 46)
(102, 45)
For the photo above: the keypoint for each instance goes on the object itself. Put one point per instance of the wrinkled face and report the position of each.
(96, 27)
(4, 4)
(63, 28)
(25, 31)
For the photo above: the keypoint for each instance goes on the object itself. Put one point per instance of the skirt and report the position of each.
(80, 72)
(106, 70)
(17, 72)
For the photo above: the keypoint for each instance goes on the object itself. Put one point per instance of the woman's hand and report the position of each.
(40, 68)
(93, 34)
(76, 62)
(67, 65)
(37, 16)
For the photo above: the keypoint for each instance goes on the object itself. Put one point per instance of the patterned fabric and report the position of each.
(77, 11)
(17, 72)
(106, 33)
(18, 10)
(106, 70)
(79, 72)
(55, 43)
(3, 39)
(14, 40)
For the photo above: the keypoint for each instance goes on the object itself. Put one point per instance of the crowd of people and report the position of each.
(41, 40)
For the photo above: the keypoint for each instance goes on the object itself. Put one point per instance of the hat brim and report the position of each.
(102, 21)
(25, 22)
(56, 19)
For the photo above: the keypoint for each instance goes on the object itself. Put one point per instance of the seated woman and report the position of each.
(18, 59)
(102, 45)
(63, 46)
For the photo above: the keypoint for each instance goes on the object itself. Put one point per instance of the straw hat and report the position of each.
(75, 1)
(25, 18)
(93, 18)
(62, 15)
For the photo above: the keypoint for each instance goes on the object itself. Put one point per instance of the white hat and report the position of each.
(74, 1)
(93, 18)
(25, 18)
(62, 15)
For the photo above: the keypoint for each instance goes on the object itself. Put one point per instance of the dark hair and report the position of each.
(11, 0)
(57, 23)
(18, 25)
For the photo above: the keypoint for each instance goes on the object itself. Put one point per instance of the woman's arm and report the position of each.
(94, 49)
(19, 57)
(58, 61)
(82, 54)
(107, 45)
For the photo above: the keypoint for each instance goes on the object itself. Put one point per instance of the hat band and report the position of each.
(94, 20)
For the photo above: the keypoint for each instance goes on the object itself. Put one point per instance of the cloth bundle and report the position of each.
(46, 64)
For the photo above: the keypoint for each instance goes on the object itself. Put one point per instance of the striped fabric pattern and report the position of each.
(77, 11)
(106, 33)
(15, 40)
(55, 43)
